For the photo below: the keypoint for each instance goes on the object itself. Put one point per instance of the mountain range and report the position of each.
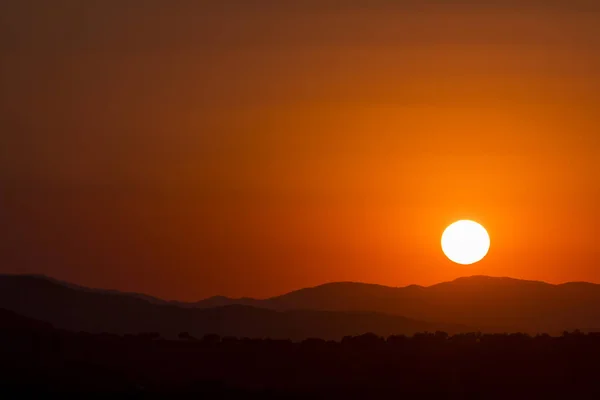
(329, 311)
(482, 302)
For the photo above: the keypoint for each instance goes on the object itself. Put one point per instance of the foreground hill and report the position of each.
(37, 360)
(94, 311)
(489, 304)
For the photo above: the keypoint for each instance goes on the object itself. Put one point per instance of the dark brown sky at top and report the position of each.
(192, 148)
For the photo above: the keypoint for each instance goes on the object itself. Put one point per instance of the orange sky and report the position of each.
(251, 148)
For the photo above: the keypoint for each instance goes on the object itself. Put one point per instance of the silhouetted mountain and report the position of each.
(481, 303)
(489, 304)
(146, 297)
(103, 311)
(10, 320)
(220, 301)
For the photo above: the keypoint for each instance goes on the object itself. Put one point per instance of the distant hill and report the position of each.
(480, 303)
(69, 307)
(487, 303)
(146, 297)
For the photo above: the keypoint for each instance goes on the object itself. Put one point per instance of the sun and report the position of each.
(465, 242)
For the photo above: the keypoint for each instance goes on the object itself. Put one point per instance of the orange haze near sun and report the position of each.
(197, 150)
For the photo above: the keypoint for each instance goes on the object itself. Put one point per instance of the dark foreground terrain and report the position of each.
(36, 358)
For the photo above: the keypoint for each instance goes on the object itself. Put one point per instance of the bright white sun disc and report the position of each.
(465, 242)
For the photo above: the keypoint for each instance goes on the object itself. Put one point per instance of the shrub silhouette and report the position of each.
(36, 359)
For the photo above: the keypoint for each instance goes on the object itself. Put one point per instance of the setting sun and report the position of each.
(465, 242)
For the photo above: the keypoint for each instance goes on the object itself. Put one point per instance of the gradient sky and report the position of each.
(248, 148)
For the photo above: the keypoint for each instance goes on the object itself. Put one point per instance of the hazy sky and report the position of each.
(192, 148)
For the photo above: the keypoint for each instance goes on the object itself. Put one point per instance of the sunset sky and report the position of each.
(248, 148)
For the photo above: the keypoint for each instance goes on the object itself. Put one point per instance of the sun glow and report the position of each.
(465, 242)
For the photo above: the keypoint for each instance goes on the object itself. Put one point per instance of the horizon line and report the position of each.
(149, 296)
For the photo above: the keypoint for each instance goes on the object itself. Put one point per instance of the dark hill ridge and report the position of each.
(146, 297)
(479, 302)
(488, 303)
(12, 321)
(95, 311)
